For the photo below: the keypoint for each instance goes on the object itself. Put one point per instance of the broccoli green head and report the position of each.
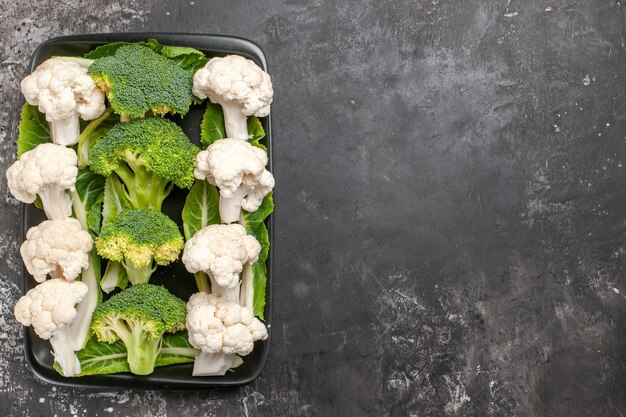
(140, 240)
(139, 316)
(149, 155)
(138, 80)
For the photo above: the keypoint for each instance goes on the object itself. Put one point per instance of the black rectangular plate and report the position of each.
(175, 277)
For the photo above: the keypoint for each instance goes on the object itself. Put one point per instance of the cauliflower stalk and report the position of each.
(57, 247)
(47, 171)
(221, 329)
(240, 86)
(49, 308)
(221, 251)
(63, 91)
(238, 169)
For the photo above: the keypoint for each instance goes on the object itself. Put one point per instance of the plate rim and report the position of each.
(225, 44)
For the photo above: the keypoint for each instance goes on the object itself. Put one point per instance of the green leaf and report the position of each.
(33, 129)
(255, 129)
(114, 201)
(189, 59)
(201, 208)
(212, 127)
(255, 225)
(100, 358)
(90, 192)
(176, 349)
(110, 48)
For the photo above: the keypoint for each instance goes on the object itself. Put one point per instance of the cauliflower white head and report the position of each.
(50, 306)
(57, 247)
(216, 325)
(221, 251)
(235, 79)
(238, 169)
(63, 91)
(47, 171)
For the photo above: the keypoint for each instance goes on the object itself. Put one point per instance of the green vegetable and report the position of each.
(139, 316)
(88, 200)
(92, 133)
(149, 156)
(100, 358)
(138, 80)
(140, 240)
(201, 208)
(189, 59)
(33, 129)
(254, 224)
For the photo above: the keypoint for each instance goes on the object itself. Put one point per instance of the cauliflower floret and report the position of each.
(238, 170)
(63, 91)
(221, 251)
(47, 171)
(50, 309)
(221, 329)
(56, 247)
(240, 86)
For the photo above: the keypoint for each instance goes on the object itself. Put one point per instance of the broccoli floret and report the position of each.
(148, 155)
(140, 240)
(139, 316)
(138, 80)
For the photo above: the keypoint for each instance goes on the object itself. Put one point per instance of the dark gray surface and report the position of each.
(450, 217)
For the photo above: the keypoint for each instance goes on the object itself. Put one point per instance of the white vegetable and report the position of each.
(240, 86)
(63, 91)
(49, 308)
(221, 329)
(238, 170)
(47, 171)
(57, 247)
(221, 251)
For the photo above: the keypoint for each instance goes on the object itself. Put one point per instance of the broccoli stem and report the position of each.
(85, 142)
(114, 276)
(235, 121)
(64, 354)
(229, 294)
(143, 189)
(230, 207)
(65, 131)
(213, 364)
(139, 275)
(246, 298)
(56, 203)
(142, 348)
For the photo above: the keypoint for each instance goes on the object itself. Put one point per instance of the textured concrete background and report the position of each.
(450, 224)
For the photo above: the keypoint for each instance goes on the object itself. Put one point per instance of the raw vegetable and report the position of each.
(138, 81)
(238, 169)
(149, 156)
(57, 247)
(221, 251)
(140, 240)
(65, 93)
(240, 86)
(139, 316)
(49, 308)
(221, 329)
(46, 171)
